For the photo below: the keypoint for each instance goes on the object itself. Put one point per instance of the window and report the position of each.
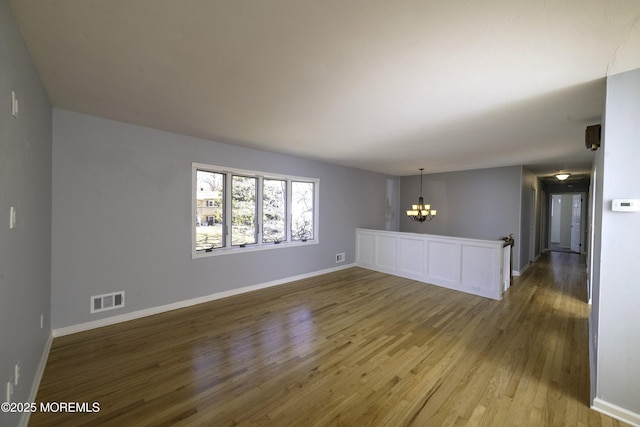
(302, 210)
(274, 201)
(238, 210)
(209, 205)
(243, 211)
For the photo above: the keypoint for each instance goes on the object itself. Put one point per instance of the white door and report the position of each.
(532, 226)
(592, 224)
(556, 216)
(576, 219)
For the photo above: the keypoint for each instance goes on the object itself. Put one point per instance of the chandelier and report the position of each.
(421, 212)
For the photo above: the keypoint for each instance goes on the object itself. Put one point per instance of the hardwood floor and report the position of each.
(350, 348)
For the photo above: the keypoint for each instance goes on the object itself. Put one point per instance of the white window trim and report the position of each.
(260, 245)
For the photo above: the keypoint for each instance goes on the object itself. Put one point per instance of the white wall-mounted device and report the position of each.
(625, 205)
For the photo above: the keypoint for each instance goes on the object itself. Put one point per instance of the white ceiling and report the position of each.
(388, 86)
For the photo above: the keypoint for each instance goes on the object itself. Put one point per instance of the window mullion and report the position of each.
(228, 194)
(259, 211)
(288, 211)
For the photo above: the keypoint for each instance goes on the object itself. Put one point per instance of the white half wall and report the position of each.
(468, 265)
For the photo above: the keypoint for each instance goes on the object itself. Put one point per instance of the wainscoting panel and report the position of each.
(411, 256)
(443, 262)
(481, 267)
(387, 252)
(366, 244)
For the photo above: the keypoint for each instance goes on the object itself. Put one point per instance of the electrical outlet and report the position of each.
(340, 257)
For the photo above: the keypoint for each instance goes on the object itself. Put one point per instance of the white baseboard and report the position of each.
(518, 273)
(58, 332)
(24, 421)
(616, 412)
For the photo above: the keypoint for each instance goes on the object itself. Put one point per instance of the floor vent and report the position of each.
(107, 302)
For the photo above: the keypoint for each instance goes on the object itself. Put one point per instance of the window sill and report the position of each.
(251, 248)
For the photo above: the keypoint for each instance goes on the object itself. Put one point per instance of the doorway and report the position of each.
(565, 232)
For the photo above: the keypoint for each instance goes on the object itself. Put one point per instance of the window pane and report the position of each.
(302, 210)
(243, 210)
(209, 210)
(274, 201)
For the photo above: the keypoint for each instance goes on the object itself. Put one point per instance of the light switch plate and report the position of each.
(12, 217)
(14, 104)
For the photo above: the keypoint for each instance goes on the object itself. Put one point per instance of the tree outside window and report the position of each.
(302, 198)
(274, 201)
(243, 210)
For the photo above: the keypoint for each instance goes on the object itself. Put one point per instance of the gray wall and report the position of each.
(25, 183)
(616, 285)
(122, 217)
(476, 204)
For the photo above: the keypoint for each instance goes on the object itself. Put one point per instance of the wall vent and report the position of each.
(107, 302)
